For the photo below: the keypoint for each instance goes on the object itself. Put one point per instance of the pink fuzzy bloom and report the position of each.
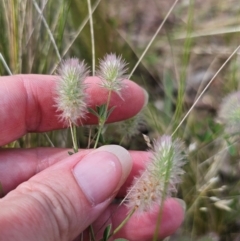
(71, 95)
(163, 172)
(112, 71)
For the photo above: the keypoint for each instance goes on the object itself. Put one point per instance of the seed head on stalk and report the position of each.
(163, 172)
(112, 71)
(71, 95)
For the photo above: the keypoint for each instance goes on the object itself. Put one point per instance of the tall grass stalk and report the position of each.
(48, 29)
(10, 12)
(92, 35)
(103, 120)
(5, 64)
(204, 90)
(79, 30)
(153, 38)
(185, 63)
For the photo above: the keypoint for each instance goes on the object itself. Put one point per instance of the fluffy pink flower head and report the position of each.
(229, 113)
(130, 127)
(112, 71)
(71, 95)
(162, 174)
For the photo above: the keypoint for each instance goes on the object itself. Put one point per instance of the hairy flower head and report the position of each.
(161, 176)
(130, 127)
(112, 71)
(229, 113)
(71, 95)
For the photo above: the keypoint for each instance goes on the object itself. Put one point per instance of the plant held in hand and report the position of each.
(71, 95)
(112, 71)
(161, 176)
(158, 181)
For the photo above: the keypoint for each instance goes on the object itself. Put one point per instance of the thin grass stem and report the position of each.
(49, 140)
(98, 136)
(92, 35)
(124, 221)
(102, 122)
(204, 90)
(74, 137)
(153, 38)
(5, 64)
(89, 137)
(164, 195)
(185, 63)
(81, 27)
(48, 29)
(91, 231)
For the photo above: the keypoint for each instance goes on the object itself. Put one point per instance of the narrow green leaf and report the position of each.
(102, 139)
(110, 112)
(92, 111)
(101, 109)
(107, 232)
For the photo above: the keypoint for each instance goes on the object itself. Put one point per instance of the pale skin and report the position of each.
(44, 198)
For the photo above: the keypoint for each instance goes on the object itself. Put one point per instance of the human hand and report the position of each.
(54, 196)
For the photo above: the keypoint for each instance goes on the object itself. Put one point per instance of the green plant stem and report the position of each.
(103, 121)
(166, 183)
(153, 38)
(120, 143)
(185, 63)
(89, 137)
(92, 235)
(49, 140)
(124, 221)
(74, 136)
(98, 135)
(92, 35)
(205, 89)
(157, 229)
(48, 29)
(5, 64)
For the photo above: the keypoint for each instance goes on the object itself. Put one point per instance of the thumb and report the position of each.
(63, 200)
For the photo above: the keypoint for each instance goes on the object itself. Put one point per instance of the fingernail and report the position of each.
(101, 173)
(182, 203)
(146, 97)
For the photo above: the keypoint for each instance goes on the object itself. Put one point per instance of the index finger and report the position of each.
(27, 104)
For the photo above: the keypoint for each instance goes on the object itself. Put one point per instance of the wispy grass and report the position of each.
(185, 39)
(183, 72)
(92, 35)
(48, 29)
(5, 64)
(153, 38)
(204, 90)
(79, 30)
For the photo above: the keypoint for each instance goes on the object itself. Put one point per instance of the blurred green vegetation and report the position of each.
(195, 41)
